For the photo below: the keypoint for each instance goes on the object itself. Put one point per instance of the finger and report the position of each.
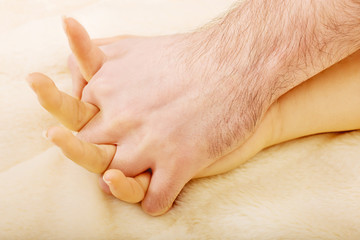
(78, 81)
(89, 57)
(103, 128)
(125, 160)
(110, 40)
(71, 112)
(164, 187)
(95, 158)
(128, 189)
(128, 159)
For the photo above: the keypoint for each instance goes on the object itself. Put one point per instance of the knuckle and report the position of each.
(125, 157)
(89, 94)
(96, 92)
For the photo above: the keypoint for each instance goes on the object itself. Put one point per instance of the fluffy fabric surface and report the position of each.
(304, 189)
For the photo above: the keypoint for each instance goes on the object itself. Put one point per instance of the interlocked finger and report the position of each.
(89, 56)
(93, 157)
(71, 112)
(128, 189)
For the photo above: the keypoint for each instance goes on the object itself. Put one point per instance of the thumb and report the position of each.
(164, 187)
(88, 55)
(128, 189)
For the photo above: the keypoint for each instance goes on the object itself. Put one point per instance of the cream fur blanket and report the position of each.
(304, 189)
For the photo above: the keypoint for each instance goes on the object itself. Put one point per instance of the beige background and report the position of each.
(305, 189)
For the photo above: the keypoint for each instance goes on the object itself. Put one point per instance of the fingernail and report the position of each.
(106, 180)
(44, 134)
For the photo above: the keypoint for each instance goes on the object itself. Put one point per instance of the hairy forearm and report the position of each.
(287, 42)
(282, 43)
(263, 48)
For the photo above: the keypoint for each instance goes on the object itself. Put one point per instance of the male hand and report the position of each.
(166, 106)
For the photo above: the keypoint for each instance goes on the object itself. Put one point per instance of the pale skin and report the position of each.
(328, 102)
(177, 104)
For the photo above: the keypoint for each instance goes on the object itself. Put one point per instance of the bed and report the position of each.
(308, 188)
